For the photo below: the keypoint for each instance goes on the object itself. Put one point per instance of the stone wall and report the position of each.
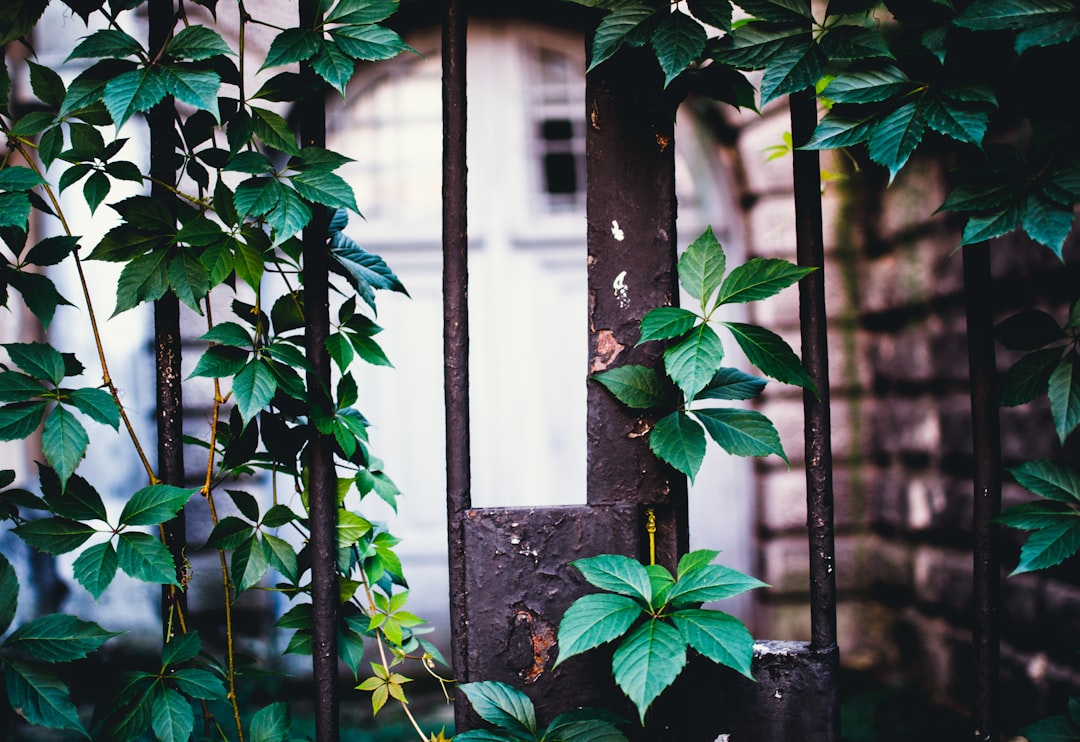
(902, 436)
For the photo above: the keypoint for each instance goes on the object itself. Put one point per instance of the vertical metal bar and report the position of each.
(455, 237)
(987, 486)
(630, 163)
(167, 352)
(817, 421)
(322, 478)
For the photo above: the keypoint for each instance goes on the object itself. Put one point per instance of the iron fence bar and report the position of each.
(322, 478)
(167, 349)
(986, 437)
(810, 250)
(456, 329)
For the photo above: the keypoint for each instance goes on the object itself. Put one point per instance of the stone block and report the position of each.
(864, 632)
(786, 414)
(782, 503)
(910, 201)
(786, 621)
(910, 276)
(772, 226)
(785, 566)
(904, 425)
(943, 581)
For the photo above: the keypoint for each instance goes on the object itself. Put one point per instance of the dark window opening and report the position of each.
(560, 173)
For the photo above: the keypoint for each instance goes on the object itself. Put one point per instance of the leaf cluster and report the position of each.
(657, 616)
(1053, 522)
(513, 717)
(693, 359)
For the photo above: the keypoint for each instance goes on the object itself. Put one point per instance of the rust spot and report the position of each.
(541, 639)
(663, 141)
(594, 116)
(641, 428)
(607, 350)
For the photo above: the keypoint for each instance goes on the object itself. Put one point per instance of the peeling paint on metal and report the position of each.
(607, 350)
(617, 233)
(622, 291)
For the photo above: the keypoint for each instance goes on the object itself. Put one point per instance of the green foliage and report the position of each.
(693, 356)
(511, 713)
(224, 231)
(656, 617)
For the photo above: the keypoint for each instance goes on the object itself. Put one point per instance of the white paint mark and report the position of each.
(616, 232)
(778, 694)
(622, 291)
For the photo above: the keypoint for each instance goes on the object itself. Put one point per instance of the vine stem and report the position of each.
(226, 579)
(106, 377)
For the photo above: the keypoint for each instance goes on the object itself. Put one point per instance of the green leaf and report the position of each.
(722, 638)
(666, 322)
(679, 441)
(274, 132)
(220, 361)
(170, 715)
(97, 404)
(198, 89)
(63, 441)
(197, 43)
(711, 582)
(188, 279)
(133, 92)
(290, 46)
(9, 594)
(1048, 223)
(270, 723)
(713, 12)
(54, 535)
(249, 564)
(253, 388)
(364, 270)
(988, 226)
(40, 697)
(678, 42)
(50, 144)
(281, 556)
(52, 250)
(1032, 516)
(14, 210)
(619, 27)
(95, 568)
(501, 705)
(19, 178)
(702, 266)
(145, 558)
(731, 383)
(144, 279)
(592, 620)
(40, 360)
(963, 124)
(1048, 479)
(617, 574)
(1064, 394)
(896, 136)
(324, 187)
(778, 11)
(999, 15)
(333, 66)
(638, 387)
(106, 43)
(759, 278)
(867, 86)
(58, 638)
(771, 354)
(741, 432)
(1059, 28)
(39, 294)
(256, 196)
(1029, 329)
(1049, 546)
(17, 387)
(21, 419)
(648, 662)
(362, 11)
(754, 45)
(200, 684)
(798, 66)
(289, 216)
(154, 504)
(1052, 729)
(1029, 377)
(368, 43)
(844, 43)
(693, 361)
(229, 533)
(694, 560)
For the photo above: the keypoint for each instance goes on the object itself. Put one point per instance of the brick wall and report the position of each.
(902, 436)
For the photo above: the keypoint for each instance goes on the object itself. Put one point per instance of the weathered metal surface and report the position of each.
(456, 339)
(322, 478)
(630, 161)
(167, 345)
(987, 487)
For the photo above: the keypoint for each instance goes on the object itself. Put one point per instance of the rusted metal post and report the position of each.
(986, 439)
(322, 479)
(167, 349)
(456, 330)
(817, 421)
